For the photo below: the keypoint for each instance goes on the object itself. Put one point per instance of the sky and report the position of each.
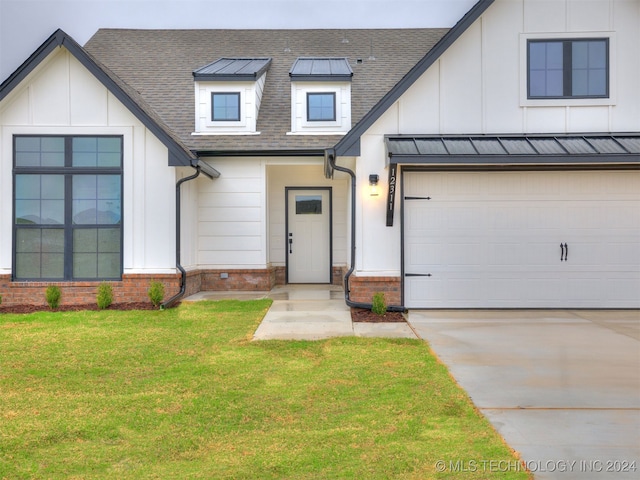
(25, 24)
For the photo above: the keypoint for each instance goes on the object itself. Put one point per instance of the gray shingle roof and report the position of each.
(159, 66)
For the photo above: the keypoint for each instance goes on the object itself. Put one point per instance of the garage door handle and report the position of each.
(564, 252)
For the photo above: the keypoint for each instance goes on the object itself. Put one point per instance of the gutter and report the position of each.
(183, 272)
(330, 155)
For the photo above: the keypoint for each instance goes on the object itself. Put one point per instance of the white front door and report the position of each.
(522, 239)
(308, 235)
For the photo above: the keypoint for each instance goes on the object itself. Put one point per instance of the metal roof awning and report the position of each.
(514, 149)
(321, 69)
(233, 69)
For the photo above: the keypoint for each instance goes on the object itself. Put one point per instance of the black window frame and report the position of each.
(567, 68)
(226, 94)
(318, 94)
(68, 172)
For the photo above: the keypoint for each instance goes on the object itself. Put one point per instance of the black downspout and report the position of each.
(183, 272)
(392, 308)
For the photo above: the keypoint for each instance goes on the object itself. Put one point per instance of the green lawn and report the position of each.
(184, 393)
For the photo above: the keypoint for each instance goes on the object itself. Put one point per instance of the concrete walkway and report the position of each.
(310, 312)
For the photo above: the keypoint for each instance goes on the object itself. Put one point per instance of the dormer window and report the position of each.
(321, 107)
(225, 107)
(228, 93)
(320, 96)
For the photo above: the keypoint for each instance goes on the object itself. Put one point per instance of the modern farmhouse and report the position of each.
(495, 164)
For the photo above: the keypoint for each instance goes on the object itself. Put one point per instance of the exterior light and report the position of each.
(373, 185)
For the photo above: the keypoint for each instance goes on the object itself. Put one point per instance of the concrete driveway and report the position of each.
(561, 387)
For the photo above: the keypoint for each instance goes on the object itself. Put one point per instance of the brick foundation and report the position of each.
(132, 288)
(362, 289)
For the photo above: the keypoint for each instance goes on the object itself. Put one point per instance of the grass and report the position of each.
(184, 393)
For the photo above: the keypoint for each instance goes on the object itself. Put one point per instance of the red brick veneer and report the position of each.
(362, 289)
(132, 288)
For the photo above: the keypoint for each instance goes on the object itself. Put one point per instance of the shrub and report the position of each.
(104, 297)
(53, 294)
(379, 306)
(156, 293)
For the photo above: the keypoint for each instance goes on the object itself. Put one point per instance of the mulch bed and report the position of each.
(75, 308)
(357, 314)
(367, 316)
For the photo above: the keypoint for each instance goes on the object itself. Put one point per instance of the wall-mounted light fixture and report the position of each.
(373, 185)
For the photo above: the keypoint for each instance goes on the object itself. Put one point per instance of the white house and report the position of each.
(504, 154)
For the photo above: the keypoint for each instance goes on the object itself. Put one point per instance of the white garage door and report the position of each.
(522, 239)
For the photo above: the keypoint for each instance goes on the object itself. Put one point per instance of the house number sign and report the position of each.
(393, 169)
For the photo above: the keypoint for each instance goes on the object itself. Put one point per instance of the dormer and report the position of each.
(228, 93)
(320, 96)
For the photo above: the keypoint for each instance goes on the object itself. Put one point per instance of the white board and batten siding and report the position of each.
(61, 97)
(522, 239)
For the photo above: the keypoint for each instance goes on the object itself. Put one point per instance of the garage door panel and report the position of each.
(493, 239)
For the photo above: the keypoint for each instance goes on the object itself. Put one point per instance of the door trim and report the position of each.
(329, 190)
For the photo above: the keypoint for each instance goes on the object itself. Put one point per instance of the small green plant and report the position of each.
(53, 294)
(156, 293)
(104, 297)
(379, 306)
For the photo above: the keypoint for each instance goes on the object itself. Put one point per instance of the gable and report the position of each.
(59, 40)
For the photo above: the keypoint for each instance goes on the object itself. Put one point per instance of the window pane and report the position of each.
(554, 59)
(39, 253)
(85, 265)
(321, 107)
(109, 206)
(28, 240)
(52, 265)
(589, 68)
(27, 265)
(597, 83)
(39, 151)
(39, 199)
(85, 152)
(225, 106)
(554, 83)
(580, 55)
(85, 240)
(308, 204)
(84, 199)
(85, 258)
(598, 54)
(96, 253)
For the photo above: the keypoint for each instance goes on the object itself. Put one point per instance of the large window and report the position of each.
(321, 107)
(67, 208)
(225, 107)
(577, 68)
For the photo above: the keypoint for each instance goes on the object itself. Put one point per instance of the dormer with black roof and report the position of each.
(320, 96)
(228, 93)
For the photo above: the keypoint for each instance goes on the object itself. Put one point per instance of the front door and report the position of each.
(308, 235)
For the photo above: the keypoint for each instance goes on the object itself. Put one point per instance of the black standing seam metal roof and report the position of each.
(570, 148)
(179, 154)
(226, 69)
(319, 69)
